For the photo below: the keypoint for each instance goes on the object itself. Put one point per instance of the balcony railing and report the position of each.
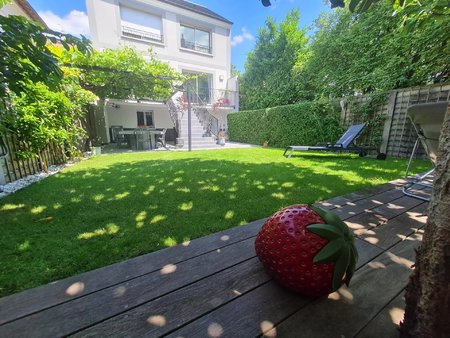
(195, 46)
(141, 35)
(215, 98)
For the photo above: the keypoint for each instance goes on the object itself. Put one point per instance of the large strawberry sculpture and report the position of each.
(307, 249)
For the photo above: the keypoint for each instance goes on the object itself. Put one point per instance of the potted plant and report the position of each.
(265, 144)
(221, 137)
(96, 146)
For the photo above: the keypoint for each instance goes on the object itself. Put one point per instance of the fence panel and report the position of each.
(399, 135)
(13, 167)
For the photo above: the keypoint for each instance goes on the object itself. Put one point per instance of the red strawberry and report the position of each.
(307, 249)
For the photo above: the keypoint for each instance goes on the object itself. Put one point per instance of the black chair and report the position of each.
(345, 143)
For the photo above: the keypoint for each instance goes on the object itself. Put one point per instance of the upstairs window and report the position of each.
(141, 25)
(196, 39)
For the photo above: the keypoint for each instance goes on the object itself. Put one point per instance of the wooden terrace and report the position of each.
(215, 286)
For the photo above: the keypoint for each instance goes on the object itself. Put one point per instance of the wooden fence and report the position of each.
(398, 134)
(13, 167)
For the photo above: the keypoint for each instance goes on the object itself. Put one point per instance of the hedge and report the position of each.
(304, 123)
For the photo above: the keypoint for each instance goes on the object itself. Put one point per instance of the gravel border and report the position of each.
(12, 187)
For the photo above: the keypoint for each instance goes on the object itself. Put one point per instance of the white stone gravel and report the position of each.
(12, 187)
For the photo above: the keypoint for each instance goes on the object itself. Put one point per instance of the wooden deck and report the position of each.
(215, 286)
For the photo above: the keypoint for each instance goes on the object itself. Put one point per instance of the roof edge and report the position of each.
(26, 7)
(191, 8)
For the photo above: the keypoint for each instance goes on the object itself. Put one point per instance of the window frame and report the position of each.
(137, 31)
(195, 49)
(146, 116)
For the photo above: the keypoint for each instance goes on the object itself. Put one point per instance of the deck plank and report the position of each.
(59, 292)
(258, 310)
(385, 324)
(112, 301)
(359, 195)
(175, 309)
(364, 222)
(347, 311)
(248, 316)
(398, 229)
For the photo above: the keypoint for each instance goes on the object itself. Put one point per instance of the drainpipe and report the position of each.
(188, 92)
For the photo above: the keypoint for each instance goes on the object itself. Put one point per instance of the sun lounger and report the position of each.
(345, 144)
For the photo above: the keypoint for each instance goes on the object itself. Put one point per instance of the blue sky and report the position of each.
(247, 15)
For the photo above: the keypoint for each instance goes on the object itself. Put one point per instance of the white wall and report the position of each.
(105, 24)
(126, 115)
(13, 9)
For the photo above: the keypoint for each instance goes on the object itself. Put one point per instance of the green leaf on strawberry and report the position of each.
(340, 249)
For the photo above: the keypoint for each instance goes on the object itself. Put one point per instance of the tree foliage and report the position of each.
(121, 73)
(25, 55)
(33, 103)
(368, 52)
(267, 80)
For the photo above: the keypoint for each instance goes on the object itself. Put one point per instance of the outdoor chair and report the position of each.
(345, 144)
(427, 119)
(161, 139)
(143, 139)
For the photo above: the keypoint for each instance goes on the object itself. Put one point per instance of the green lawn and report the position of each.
(110, 208)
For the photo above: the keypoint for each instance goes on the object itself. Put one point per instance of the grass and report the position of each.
(110, 208)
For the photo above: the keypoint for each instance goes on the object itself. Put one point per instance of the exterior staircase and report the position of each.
(201, 138)
(203, 124)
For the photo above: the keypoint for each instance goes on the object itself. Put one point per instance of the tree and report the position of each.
(369, 52)
(235, 71)
(428, 292)
(118, 74)
(267, 80)
(121, 73)
(30, 78)
(25, 54)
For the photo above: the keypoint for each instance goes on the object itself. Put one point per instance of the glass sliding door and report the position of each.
(201, 87)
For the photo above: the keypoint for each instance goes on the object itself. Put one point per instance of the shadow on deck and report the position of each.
(215, 286)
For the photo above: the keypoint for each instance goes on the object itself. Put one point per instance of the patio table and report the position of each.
(132, 137)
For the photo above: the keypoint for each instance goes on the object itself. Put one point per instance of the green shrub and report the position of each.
(305, 123)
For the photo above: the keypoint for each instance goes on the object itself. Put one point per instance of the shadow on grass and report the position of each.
(80, 220)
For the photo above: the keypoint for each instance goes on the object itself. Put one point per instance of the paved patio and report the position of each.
(113, 149)
(215, 286)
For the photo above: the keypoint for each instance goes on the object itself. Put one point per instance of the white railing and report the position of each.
(130, 32)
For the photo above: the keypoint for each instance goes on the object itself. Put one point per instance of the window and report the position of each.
(141, 25)
(201, 86)
(145, 119)
(196, 39)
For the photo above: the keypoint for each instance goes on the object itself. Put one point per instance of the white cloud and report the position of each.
(238, 39)
(76, 22)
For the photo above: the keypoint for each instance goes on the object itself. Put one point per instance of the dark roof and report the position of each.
(30, 11)
(196, 8)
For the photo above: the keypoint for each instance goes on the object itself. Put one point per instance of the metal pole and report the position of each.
(188, 91)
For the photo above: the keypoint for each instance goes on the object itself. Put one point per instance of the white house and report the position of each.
(190, 38)
(21, 8)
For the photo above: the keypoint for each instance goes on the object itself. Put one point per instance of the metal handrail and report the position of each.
(141, 34)
(209, 121)
(195, 46)
(176, 114)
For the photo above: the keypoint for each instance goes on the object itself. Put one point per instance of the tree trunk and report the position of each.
(427, 312)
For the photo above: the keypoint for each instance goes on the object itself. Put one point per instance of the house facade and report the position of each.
(21, 8)
(191, 39)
